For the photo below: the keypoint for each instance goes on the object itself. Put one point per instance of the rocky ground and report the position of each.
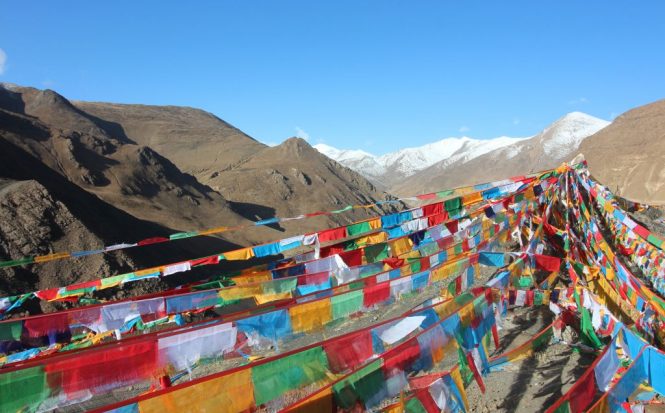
(534, 383)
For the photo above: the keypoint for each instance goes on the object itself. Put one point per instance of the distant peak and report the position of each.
(295, 145)
(580, 117)
(295, 141)
(332, 151)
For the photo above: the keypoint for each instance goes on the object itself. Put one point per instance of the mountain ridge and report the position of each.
(129, 172)
(415, 163)
(555, 144)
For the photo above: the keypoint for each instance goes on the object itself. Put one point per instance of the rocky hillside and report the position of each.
(629, 155)
(133, 177)
(100, 163)
(308, 181)
(198, 142)
(43, 212)
(33, 221)
(259, 181)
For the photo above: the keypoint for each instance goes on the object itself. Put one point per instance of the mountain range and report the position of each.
(455, 161)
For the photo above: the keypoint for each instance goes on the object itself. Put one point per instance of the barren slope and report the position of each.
(629, 155)
(292, 179)
(196, 141)
(90, 154)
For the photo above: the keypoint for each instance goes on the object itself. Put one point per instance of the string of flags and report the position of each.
(489, 189)
(394, 225)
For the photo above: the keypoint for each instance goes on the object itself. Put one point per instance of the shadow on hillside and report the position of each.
(114, 129)
(255, 212)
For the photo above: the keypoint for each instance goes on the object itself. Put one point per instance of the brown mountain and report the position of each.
(198, 142)
(96, 165)
(95, 157)
(43, 212)
(261, 181)
(629, 155)
(295, 178)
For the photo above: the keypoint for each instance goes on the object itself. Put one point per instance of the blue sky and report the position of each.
(374, 75)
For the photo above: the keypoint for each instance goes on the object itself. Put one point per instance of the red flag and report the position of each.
(205, 261)
(398, 361)
(314, 278)
(624, 250)
(437, 219)
(427, 401)
(547, 263)
(427, 196)
(433, 209)
(394, 262)
(376, 294)
(641, 231)
(352, 258)
(332, 234)
(331, 250)
(47, 295)
(154, 240)
(349, 352)
(95, 371)
(474, 370)
(41, 326)
(583, 392)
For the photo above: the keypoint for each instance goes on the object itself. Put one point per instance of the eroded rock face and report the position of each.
(30, 218)
(301, 177)
(33, 222)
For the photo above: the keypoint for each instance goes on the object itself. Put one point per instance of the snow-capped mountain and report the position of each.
(408, 161)
(360, 161)
(557, 143)
(394, 166)
(554, 143)
(569, 131)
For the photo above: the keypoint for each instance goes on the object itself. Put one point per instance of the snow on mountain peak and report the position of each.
(355, 159)
(411, 160)
(408, 161)
(341, 154)
(568, 132)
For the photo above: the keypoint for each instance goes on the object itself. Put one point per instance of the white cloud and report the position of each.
(578, 101)
(464, 129)
(302, 134)
(516, 121)
(3, 61)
